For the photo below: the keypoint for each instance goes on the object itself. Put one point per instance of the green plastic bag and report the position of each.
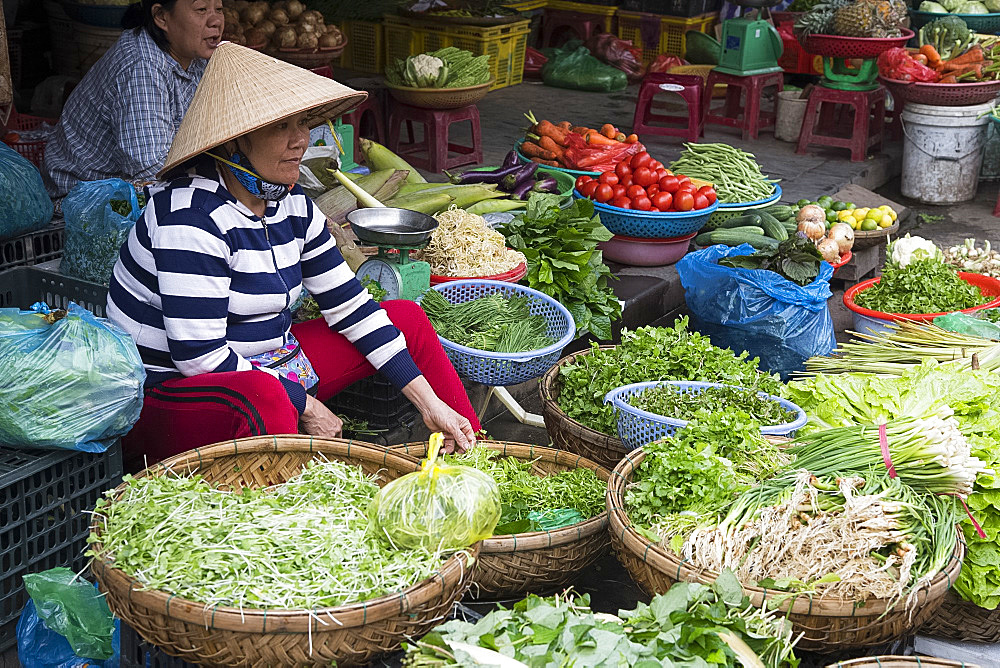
(575, 68)
(963, 323)
(73, 608)
(440, 506)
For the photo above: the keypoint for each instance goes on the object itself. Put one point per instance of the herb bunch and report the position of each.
(925, 285)
(796, 259)
(669, 401)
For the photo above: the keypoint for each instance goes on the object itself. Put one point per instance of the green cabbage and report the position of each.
(992, 5)
(931, 6)
(952, 5)
(973, 8)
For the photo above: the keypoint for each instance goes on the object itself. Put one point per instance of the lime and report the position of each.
(852, 205)
(875, 215)
(825, 201)
(868, 225)
(831, 216)
(839, 206)
(802, 202)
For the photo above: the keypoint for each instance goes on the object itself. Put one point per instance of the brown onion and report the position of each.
(829, 249)
(267, 27)
(843, 235)
(278, 17)
(294, 8)
(284, 37)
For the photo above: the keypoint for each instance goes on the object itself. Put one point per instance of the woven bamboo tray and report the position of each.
(348, 635)
(960, 620)
(901, 662)
(514, 565)
(827, 625)
(568, 434)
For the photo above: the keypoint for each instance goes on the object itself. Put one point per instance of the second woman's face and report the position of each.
(276, 150)
(193, 28)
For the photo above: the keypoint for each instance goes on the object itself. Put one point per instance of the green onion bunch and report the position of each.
(671, 401)
(493, 323)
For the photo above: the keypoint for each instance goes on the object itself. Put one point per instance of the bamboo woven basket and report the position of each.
(960, 620)
(827, 625)
(568, 434)
(901, 662)
(511, 566)
(349, 635)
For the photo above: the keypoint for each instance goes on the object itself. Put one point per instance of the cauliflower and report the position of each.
(425, 71)
(905, 250)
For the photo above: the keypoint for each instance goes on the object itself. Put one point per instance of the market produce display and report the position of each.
(796, 259)
(577, 147)
(976, 64)
(691, 625)
(445, 68)
(973, 258)
(651, 353)
(761, 228)
(670, 401)
(286, 25)
(854, 18)
(516, 179)
(560, 246)
(860, 218)
(464, 245)
(644, 184)
(494, 323)
(733, 172)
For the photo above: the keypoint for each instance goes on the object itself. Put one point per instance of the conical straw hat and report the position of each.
(243, 90)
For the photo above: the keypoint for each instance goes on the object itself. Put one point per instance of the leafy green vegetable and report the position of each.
(669, 401)
(925, 285)
(560, 246)
(121, 207)
(494, 323)
(651, 353)
(795, 259)
(691, 626)
(374, 288)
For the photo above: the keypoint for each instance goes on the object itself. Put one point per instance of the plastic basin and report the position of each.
(512, 276)
(637, 252)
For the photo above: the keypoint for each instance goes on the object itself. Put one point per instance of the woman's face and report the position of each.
(193, 28)
(276, 150)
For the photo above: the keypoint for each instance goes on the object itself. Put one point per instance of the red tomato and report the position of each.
(582, 180)
(652, 190)
(610, 178)
(709, 193)
(627, 181)
(623, 170)
(634, 191)
(687, 188)
(668, 184)
(622, 202)
(604, 193)
(643, 177)
(619, 190)
(663, 201)
(655, 165)
(660, 173)
(700, 201)
(642, 203)
(588, 188)
(640, 160)
(683, 179)
(684, 201)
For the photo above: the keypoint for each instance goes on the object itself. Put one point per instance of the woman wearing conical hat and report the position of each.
(224, 246)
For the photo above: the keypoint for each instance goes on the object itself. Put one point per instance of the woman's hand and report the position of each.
(439, 416)
(318, 420)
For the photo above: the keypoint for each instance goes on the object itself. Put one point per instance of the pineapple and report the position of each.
(867, 18)
(819, 20)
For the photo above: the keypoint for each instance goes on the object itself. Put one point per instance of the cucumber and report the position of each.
(745, 229)
(734, 238)
(772, 227)
(780, 211)
(739, 221)
(703, 239)
(790, 226)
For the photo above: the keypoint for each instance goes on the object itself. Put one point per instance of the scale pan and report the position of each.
(391, 227)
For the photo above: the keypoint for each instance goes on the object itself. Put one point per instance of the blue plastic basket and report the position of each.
(499, 369)
(651, 224)
(636, 427)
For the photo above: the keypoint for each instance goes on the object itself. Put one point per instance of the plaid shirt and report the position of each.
(121, 119)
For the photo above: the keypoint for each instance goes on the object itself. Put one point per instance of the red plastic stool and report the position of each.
(433, 152)
(583, 25)
(867, 130)
(367, 121)
(749, 117)
(689, 87)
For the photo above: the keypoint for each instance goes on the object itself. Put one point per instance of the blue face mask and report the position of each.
(245, 173)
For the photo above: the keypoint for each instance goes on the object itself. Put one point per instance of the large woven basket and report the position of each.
(440, 98)
(958, 619)
(515, 565)
(219, 636)
(901, 662)
(826, 625)
(568, 434)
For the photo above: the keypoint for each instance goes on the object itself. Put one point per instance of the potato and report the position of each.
(278, 17)
(308, 40)
(294, 8)
(284, 37)
(267, 27)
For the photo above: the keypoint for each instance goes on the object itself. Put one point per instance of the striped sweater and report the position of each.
(202, 283)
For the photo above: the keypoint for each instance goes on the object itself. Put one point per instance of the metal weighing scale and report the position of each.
(395, 232)
(750, 45)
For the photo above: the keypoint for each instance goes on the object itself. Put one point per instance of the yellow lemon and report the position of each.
(875, 215)
(850, 220)
(886, 220)
(893, 214)
(861, 213)
(885, 207)
(843, 215)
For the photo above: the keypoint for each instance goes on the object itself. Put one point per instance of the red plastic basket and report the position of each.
(943, 95)
(844, 259)
(835, 46)
(512, 276)
(34, 151)
(988, 285)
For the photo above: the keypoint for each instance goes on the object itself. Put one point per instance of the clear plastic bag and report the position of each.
(26, 204)
(75, 383)
(440, 506)
(66, 624)
(758, 310)
(964, 323)
(95, 230)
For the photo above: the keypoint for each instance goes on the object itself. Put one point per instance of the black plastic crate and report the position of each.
(686, 8)
(21, 287)
(45, 501)
(376, 401)
(137, 653)
(35, 247)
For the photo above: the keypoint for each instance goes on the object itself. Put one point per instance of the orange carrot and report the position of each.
(609, 130)
(970, 57)
(549, 144)
(953, 67)
(595, 137)
(547, 129)
(931, 53)
(550, 163)
(580, 130)
(920, 58)
(631, 139)
(950, 79)
(565, 125)
(532, 150)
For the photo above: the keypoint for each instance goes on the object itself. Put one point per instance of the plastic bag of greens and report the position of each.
(575, 68)
(964, 323)
(66, 624)
(68, 380)
(758, 310)
(99, 215)
(441, 506)
(26, 204)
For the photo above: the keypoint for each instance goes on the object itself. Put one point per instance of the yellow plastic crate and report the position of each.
(672, 41)
(504, 44)
(527, 5)
(365, 50)
(581, 8)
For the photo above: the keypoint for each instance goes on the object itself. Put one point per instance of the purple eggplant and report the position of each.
(522, 191)
(512, 182)
(492, 176)
(546, 185)
(510, 160)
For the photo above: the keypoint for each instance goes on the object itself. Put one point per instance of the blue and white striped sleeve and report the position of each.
(193, 272)
(348, 308)
(145, 122)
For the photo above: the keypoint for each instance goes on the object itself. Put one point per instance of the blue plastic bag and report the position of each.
(95, 231)
(25, 203)
(73, 384)
(758, 310)
(66, 619)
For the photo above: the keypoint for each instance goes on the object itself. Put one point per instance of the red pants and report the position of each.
(185, 413)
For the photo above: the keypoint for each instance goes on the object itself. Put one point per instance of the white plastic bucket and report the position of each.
(943, 151)
(791, 111)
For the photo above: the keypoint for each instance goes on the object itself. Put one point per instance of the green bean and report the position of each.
(735, 173)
